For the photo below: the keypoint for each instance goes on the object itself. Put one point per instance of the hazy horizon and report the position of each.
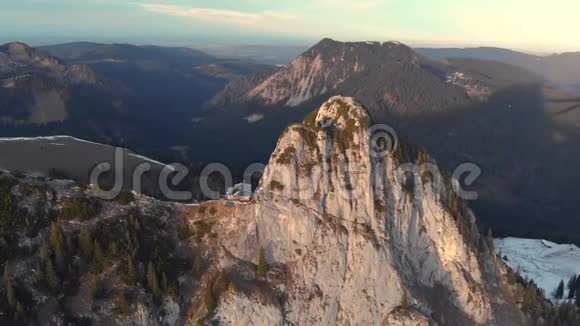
(510, 24)
(294, 44)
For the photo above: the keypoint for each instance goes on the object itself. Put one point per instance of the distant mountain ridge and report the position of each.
(389, 78)
(109, 91)
(562, 69)
(370, 71)
(90, 52)
(19, 58)
(39, 88)
(485, 53)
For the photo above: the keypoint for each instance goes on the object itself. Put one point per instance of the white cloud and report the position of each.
(266, 20)
(284, 22)
(353, 4)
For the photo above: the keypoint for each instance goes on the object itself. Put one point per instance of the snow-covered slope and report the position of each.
(19, 150)
(545, 262)
(72, 158)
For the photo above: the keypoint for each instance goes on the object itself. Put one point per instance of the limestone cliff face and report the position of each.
(348, 239)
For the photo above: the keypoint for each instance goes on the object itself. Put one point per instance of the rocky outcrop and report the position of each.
(358, 243)
(238, 89)
(80, 74)
(18, 56)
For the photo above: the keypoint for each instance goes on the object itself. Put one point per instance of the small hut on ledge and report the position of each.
(240, 192)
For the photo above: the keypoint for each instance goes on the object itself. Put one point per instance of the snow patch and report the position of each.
(48, 138)
(144, 158)
(58, 141)
(296, 100)
(545, 262)
(253, 118)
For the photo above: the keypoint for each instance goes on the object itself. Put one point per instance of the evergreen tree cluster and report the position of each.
(468, 229)
(541, 311)
(77, 208)
(81, 251)
(569, 290)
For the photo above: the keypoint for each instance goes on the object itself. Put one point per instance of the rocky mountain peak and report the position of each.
(391, 49)
(18, 51)
(19, 59)
(338, 111)
(356, 243)
(21, 53)
(387, 77)
(325, 67)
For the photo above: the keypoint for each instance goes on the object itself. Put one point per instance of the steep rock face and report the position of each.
(314, 73)
(352, 238)
(238, 88)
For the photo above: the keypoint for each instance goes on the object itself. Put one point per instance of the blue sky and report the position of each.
(534, 25)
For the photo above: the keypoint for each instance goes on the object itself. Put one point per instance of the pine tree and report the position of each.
(50, 276)
(56, 243)
(222, 281)
(99, 262)
(19, 312)
(163, 282)
(405, 302)
(55, 236)
(209, 299)
(10, 294)
(577, 291)
(559, 294)
(198, 266)
(490, 243)
(112, 252)
(262, 264)
(530, 297)
(130, 275)
(122, 304)
(152, 280)
(59, 259)
(571, 287)
(44, 253)
(86, 244)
